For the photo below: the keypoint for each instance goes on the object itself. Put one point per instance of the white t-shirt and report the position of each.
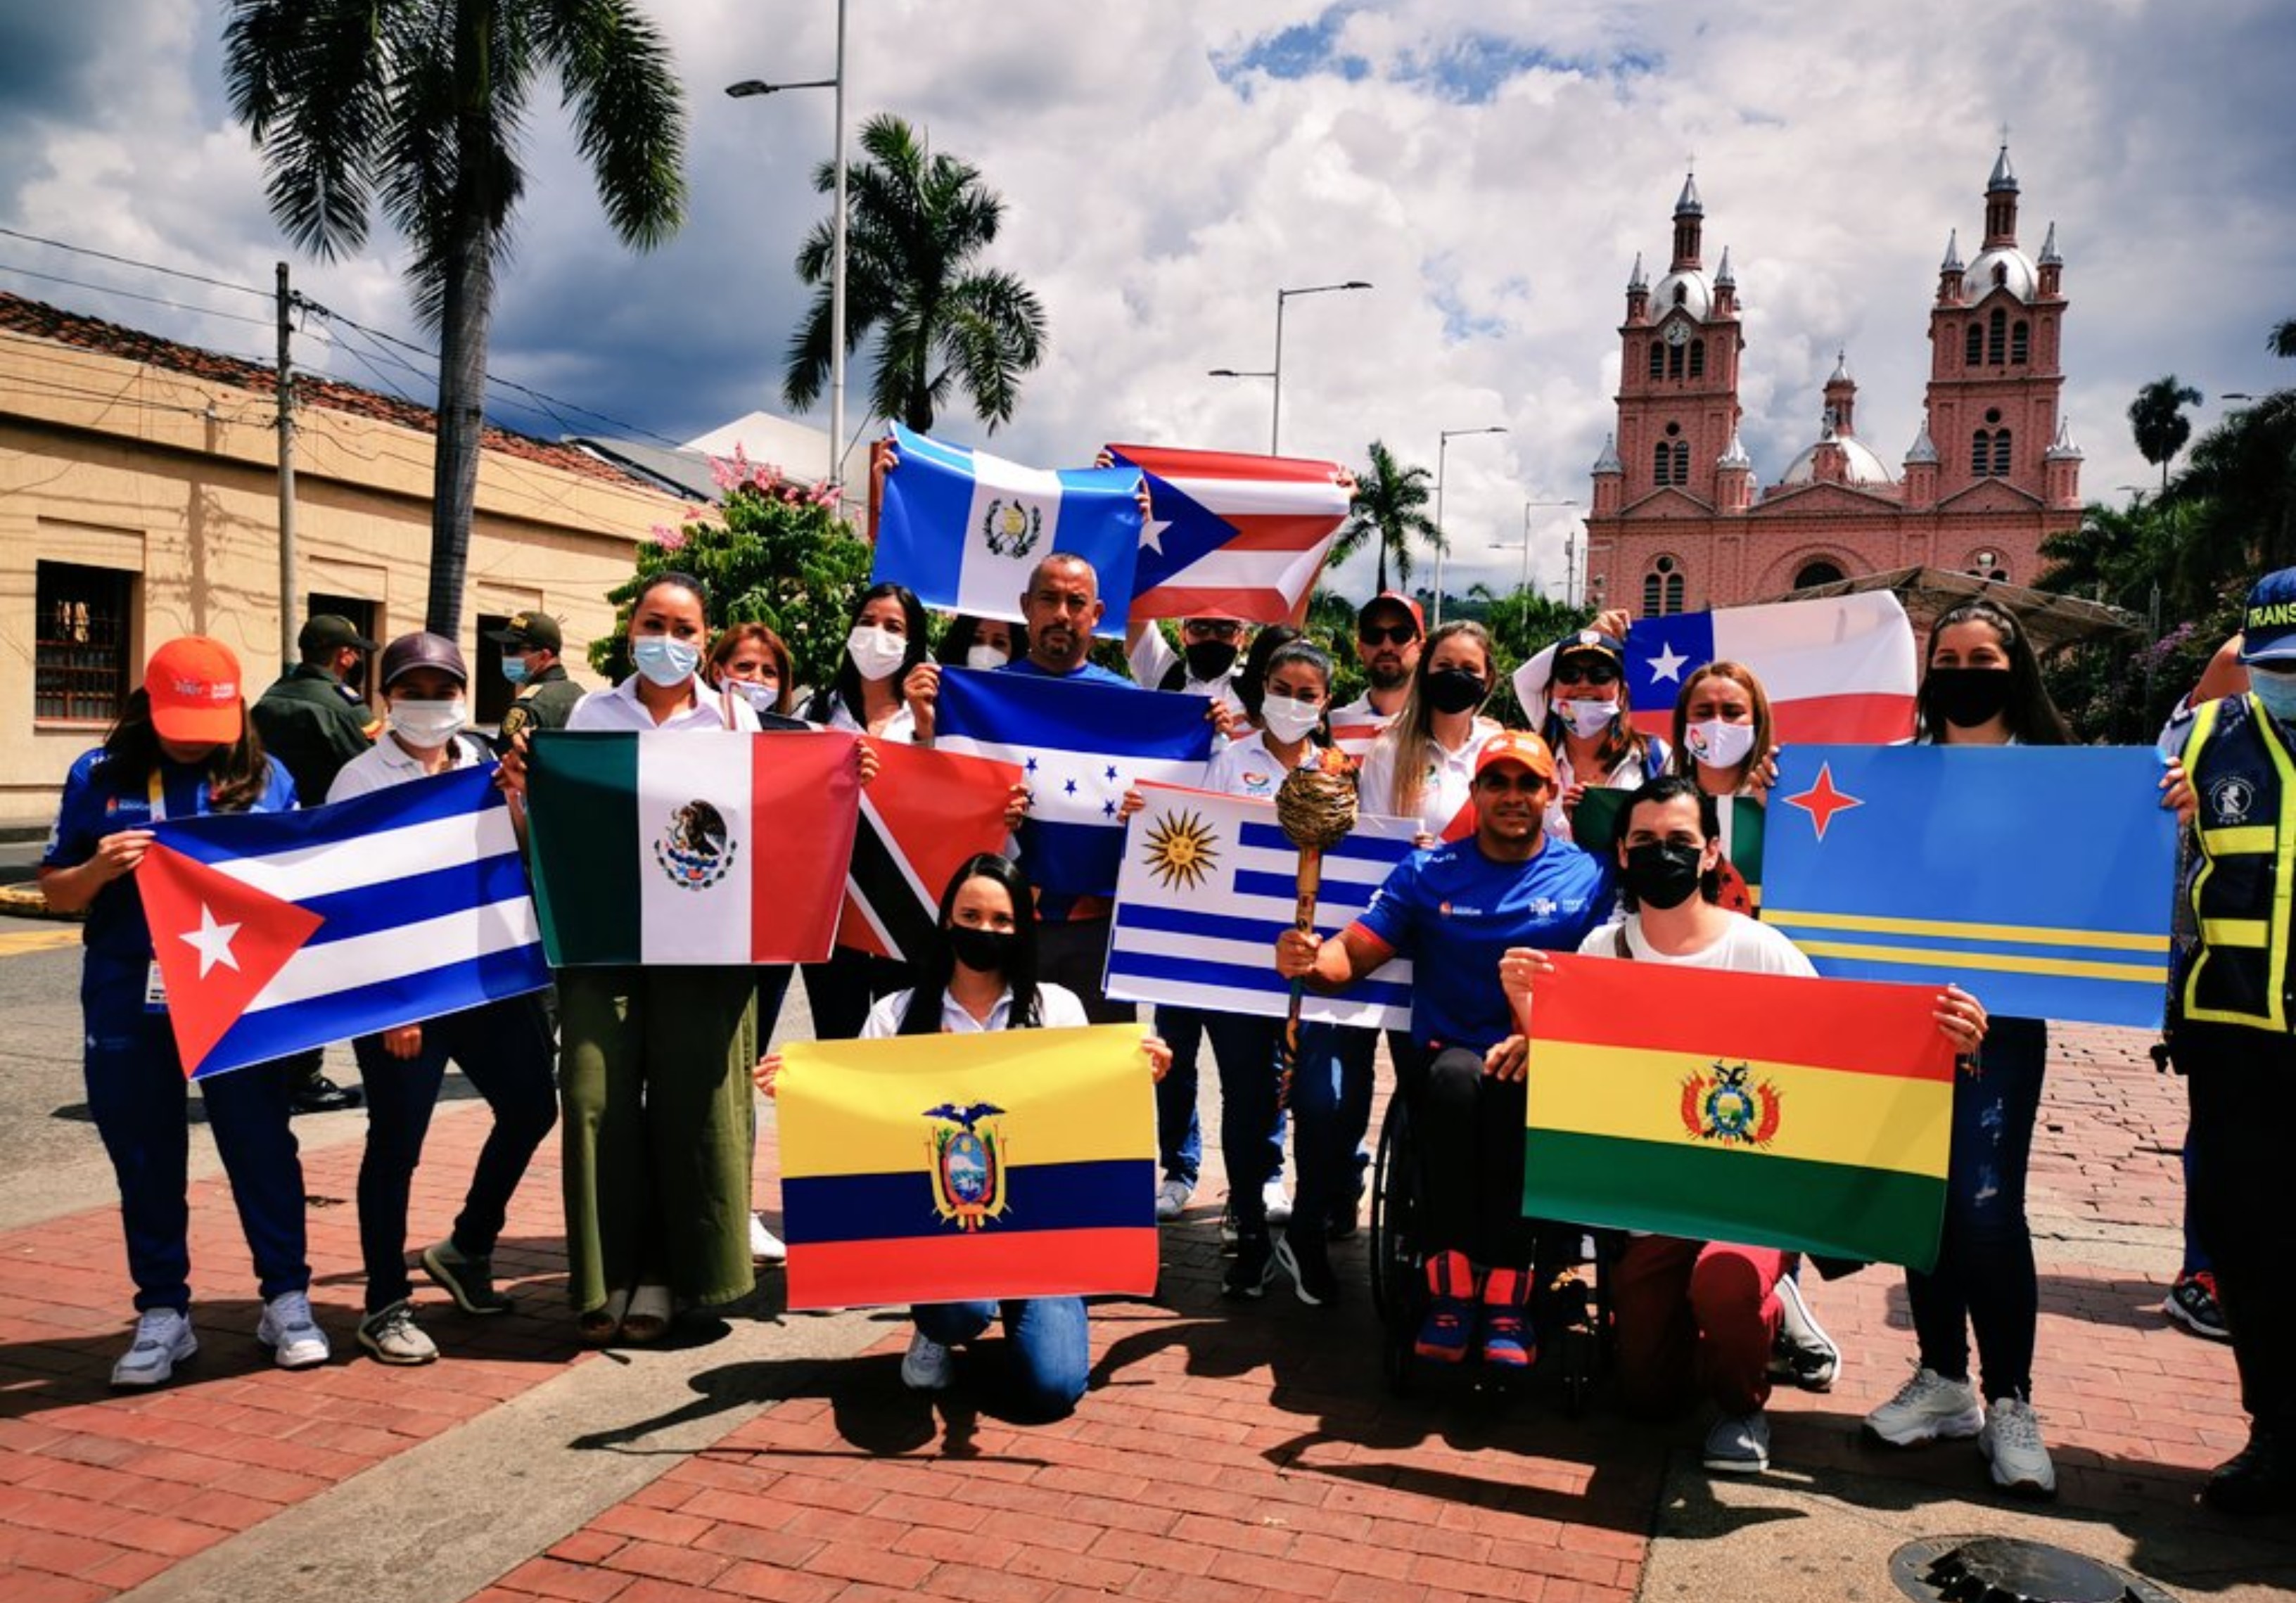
(1745, 948)
(1450, 783)
(1248, 768)
(620, 708)
(1057, 1008)
(387, 762)
(901, 726)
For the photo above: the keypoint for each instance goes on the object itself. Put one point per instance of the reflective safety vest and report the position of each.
(2244, 775)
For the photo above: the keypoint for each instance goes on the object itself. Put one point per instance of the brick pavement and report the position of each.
(1223, 1454)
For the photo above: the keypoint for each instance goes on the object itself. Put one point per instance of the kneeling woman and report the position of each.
(982, 975)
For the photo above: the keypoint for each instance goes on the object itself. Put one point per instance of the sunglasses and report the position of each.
(1587, 673)
(1394, 635)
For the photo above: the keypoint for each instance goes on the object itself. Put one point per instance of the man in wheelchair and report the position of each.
(1454, 911)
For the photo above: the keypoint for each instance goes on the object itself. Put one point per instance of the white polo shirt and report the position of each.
(1446, 790)
(1057, 1008)
(387, 762)
(620, 708)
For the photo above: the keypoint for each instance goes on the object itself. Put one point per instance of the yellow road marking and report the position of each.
(38, 940)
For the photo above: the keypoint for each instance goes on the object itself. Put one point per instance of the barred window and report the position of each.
(80, 642)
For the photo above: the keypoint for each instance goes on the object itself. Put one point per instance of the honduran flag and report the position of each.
(921, 817)
(277, 932)
(1229, 535)
(1080, 746)
(701, 847)
(964, 529)
(953, 1169)
(1838, 671)
(1814, 1114)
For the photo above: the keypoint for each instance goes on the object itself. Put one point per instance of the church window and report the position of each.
(1653, 595)
(1997, 337)
(2001, 453)
(1819, 572)
(1658, 359)
(1662, 464)
(1981, 453)
(1674, 362)
(1973, 347)
(2000, 274)
(1987, 565)
(1682, 462)
(1662, 588)
(1698, 358)
(2021, 344)
(1681, 295)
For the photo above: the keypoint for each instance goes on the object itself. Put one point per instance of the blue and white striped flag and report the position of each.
(1209, 881)
(963, 528)
(1081, 746)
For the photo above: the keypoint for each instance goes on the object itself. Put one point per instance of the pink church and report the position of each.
(1679, 523)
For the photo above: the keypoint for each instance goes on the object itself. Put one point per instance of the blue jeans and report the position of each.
(1984, 1279)
(1251, 1124)
(504, 1049)
(1331, 1107)
(1048, 1357)
(139, 1098)
(1179, 1135)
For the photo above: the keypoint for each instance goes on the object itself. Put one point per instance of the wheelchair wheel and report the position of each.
(1389, 1248)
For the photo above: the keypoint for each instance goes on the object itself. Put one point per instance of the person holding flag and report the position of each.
(1423, 764)
(183, 745)
(1589, 724)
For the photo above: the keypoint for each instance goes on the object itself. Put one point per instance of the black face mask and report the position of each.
(1454, 691)
(1207, 660)
(1966, 697)
(982, 951)
(1662, 874)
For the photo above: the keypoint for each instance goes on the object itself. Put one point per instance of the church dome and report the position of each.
(2018, 274)
(1697, 296)
(1861, 465)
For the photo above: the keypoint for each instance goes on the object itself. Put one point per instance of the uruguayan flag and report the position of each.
(1081, 746)
(1207, 884)
(963, 529)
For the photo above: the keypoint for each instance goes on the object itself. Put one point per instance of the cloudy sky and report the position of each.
(1491, 169)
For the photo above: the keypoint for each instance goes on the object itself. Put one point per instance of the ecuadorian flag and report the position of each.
(948, 1168)
(1808, 1114)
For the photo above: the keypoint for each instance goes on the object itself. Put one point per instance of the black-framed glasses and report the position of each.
(1394, 635)
(1596, 672)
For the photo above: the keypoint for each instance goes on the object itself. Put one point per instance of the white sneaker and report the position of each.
(1803, 1353)
(1926, 1408)
(2011, 1442)
(1278, 1202)
(294, 1337)
(1172, 1199)
(765, 1246)
(163, 1339)
(925, 1366)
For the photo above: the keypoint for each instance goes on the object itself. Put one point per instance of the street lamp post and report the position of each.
(1523, 582)
(1442, 455)
(1275, 412)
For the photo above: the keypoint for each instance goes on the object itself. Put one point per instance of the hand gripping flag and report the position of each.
(276, 932)
(1808, 1114)
(955, 1168)
(964, 529)
(1209, 883)
(1837, 671)
(924, 813)
(672, 847)
(2037, 878)
(1241, 536)
(1080, 746)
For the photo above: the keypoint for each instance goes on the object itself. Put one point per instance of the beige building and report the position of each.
(139, 501)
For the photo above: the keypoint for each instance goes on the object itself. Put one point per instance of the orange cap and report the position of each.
(194, 684)
(1516, 746)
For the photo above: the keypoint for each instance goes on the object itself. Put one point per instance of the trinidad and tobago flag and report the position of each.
(924, 813)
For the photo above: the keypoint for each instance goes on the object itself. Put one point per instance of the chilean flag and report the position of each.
(1240, 536)
(927, 813)
(1838, 672)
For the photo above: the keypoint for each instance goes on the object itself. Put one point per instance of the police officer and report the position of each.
(547, 696)
(2232, 1012)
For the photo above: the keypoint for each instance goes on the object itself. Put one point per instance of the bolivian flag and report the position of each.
(1808, 1114)
(948, 1168)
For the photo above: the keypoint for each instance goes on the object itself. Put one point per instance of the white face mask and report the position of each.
(429, 724)
(986, 658)
(877, 653)
(765, 698)
(1287, 719)
(1720, 745)
(1588, 719)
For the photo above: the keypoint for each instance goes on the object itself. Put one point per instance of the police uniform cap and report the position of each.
(531, 631)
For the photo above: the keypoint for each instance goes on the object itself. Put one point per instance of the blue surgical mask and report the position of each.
(2278, 691)
(667, 662)
(515, 670)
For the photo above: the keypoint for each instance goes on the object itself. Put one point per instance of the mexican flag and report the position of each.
(703, 846)
(1808, 1114)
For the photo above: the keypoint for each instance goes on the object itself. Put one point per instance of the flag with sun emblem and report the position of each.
(1209, 881)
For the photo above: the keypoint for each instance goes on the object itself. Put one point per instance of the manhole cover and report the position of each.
(2008, 1569)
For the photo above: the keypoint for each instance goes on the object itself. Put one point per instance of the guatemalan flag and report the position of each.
(963, 529)
(1838, 671)
(1081, 746)
(276, 932)
(1229, 535)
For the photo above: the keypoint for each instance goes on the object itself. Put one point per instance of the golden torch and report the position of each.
(1316, 807)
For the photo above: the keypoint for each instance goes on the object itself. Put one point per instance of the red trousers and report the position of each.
(1694, 1319)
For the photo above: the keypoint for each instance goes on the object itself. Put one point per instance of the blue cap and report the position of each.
(2267, 627)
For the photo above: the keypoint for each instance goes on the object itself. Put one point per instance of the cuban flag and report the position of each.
(1080, 746)
(963, 529)
(1209, 881)
(1839, 671)
(1232, 535)
(276, 932)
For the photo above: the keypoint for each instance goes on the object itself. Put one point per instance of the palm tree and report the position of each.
(914, 225)
(1391, 507)
(2156, 417)
(420, 104)
(2283, 340)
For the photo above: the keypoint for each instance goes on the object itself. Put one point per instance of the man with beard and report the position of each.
(1389, 633)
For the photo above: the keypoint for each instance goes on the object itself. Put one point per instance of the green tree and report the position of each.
(420, 104)
(1522, 624)
(1389, 511)
(2282, 342)
(2157, 420)
(914, 225)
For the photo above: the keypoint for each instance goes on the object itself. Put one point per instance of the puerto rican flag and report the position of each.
(1838, 672)
(1232, 535)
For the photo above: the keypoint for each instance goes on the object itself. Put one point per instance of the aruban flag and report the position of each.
(1813, 1115)
(1209, 881)
(689, 846)
(1595, 823)
(2038, 878)
(1839, 670)
(277, 932)
(923, 815)
(955, 1168)
(964, 529)
(1236, 536)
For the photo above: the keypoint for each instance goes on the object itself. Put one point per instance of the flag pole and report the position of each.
(1316, 808)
